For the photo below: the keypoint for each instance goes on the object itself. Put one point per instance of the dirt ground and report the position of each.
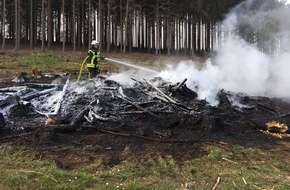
(74, 148)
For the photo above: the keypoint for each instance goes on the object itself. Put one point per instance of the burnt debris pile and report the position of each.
(153, 109)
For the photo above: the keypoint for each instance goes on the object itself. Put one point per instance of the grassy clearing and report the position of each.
(12, 63)
(238, 168)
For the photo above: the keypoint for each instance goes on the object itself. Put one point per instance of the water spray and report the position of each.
(131, 65)
(118, 62)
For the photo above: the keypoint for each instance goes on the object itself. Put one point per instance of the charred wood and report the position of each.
(275, 125)
(160, 92)
(155, 95)
(137, 106)
(177, 87)
(166, 134)
(11, 89)
(63, 93)
(40, 85)
(39, 93)
(24, 91)
(283, 115)
(79, 117)
(267, 109)
(142, 112)
(8, 100)
(2, 121)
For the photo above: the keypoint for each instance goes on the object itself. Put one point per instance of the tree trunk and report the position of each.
(185, 36)
(16, 26)
(193, 38)
(108, 27)
(31, 24)
(100, 38)
(42, 25)
(121, 27)
(148, 29)
(130, 33)
(116, 36)
(168, 37)
(189, 35)
(199, 37)
(3, 24)
(63, 26)
(126, 26)
(49, 24)
(141, 36)
(19, 24)
(83, 24)
(79, 23)
(90, 24)
(208, 25)
(74, 24)
(177, 46)
(34, 19)
(157, 43)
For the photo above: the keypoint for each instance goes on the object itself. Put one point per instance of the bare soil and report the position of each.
(81, 147)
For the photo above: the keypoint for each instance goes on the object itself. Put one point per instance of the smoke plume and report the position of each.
(254, 57)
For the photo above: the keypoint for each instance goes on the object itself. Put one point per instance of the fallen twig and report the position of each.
(244, 180)
(216, 184)
(229, 160)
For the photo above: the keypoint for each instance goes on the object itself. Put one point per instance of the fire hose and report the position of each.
(117, 62)
(81, 70)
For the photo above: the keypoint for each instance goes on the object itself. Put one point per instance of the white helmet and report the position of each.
(95, 43)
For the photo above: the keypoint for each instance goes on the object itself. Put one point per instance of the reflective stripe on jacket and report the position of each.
(95, 59)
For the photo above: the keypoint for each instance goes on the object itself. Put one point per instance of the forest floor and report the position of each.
(83, 147)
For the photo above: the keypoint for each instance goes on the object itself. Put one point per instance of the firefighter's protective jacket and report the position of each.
(93, 59)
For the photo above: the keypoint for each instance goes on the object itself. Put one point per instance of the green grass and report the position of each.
(237, 167)
(240, 168)
(12, 63)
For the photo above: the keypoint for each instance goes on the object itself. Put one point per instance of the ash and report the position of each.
(152, 109)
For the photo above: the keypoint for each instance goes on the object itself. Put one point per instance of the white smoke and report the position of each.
(254, 57)
(241, 66)
(128, 77)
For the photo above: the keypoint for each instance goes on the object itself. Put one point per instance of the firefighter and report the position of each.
(93, 60)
